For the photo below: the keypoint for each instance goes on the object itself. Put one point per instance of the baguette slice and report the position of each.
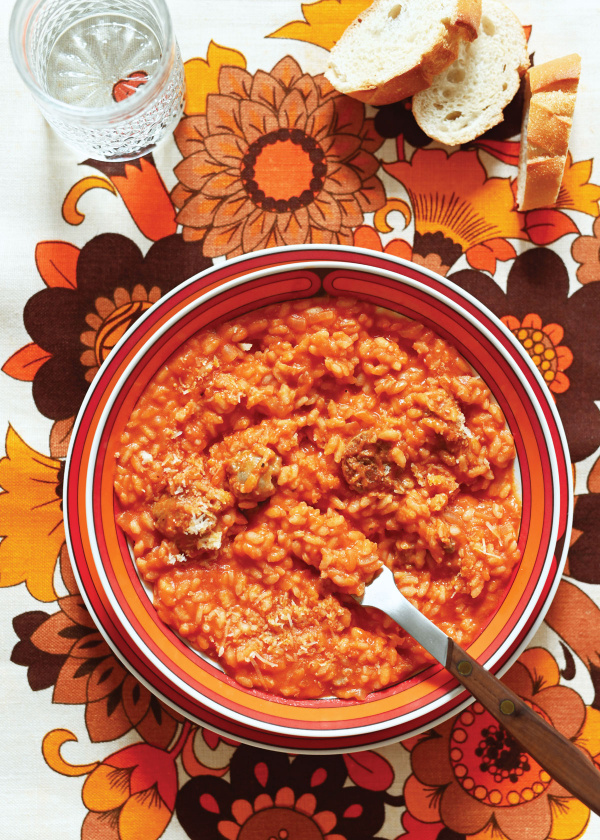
(550, 93)
(394, 49)
(467, 99)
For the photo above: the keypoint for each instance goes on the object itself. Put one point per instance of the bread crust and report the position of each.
(468, 18)
(550, 93)
(463, 27)
(556, 74)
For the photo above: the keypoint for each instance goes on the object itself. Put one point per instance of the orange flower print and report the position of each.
(30, 517)
(472, 777)
(366, 236)
(451, 195)
(143, 191)
(586, 251)
(207, 754)
(131, 794)
(279, 158)
(544, 347)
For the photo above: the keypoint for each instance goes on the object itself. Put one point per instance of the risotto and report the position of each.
(278, 460)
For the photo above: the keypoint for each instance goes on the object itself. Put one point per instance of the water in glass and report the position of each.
(107, 74)
(102, 59)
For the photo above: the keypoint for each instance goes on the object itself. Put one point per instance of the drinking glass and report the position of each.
(106, 74)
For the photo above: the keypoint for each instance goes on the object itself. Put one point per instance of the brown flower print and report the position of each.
(272, 795)
(82, 314)
(583, 562)
(586, 251)
(279, 158)
(472, 777)
(430, 250)
(537, 301)
(65, 650)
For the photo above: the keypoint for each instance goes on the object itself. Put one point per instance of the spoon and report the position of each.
(555, 753)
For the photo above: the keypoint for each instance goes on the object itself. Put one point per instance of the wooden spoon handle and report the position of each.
(556, 754)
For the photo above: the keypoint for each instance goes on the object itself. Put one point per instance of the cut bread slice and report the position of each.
(394, 49)
(550, 93)
(467, 99)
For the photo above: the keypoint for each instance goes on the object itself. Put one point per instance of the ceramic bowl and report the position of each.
(121, 605)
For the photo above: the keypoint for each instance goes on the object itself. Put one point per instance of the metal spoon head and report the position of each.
(380, 589)
(383, 594)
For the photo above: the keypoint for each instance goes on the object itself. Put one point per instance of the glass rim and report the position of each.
(20, 20)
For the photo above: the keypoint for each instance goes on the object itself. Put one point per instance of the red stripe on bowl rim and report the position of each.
(354, 257)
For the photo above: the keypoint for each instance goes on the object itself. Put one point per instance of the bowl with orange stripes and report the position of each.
(132, 569)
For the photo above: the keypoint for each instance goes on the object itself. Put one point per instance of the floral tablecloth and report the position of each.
(87, 751)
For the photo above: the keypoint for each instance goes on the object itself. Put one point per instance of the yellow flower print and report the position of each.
(31, 521)
(202, 75)
(547, 224)
(576, 192)
(323, 23)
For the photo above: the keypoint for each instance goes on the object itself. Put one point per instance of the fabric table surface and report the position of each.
(85, 750)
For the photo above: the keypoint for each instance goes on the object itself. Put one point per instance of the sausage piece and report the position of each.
(189, 522)
(251, 474)
(366, 465)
